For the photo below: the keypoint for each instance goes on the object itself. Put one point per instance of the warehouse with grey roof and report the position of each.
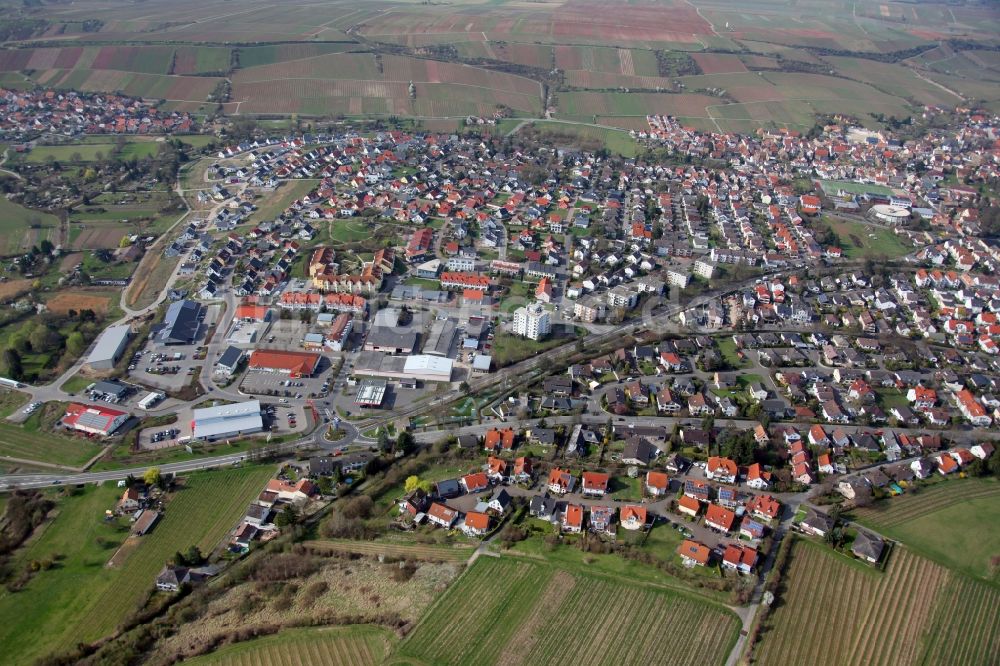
(109, 347)
(212, 423)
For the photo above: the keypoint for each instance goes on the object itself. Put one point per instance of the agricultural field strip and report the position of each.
(907, 507)
(419, 551)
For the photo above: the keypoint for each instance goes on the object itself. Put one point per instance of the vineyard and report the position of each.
(954, 522)
(833, 610)
(338, 646)
(508, 611)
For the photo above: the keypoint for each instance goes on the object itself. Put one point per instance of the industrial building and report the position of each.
(441, 338)
(371, 393)
(418, 368)
(180, 326)
(292, 363)
(212, 423)
(93, 420)
(391, 340)
(109, 347)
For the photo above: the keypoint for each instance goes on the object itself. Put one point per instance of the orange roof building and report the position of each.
(292, 363)
(694, 553)
(719, 518)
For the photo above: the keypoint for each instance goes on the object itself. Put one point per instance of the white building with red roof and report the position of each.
(94, 420)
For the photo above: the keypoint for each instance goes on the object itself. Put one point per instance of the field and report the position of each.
(30, 442)
(22, 227)
(361, 83)
(509, 611)
(278, 201)
(587, 106)
(91, 152)
(154, 271)
(64, 301)
(861, 240)
(836, 611)
(82, 599)
(329, 646)
(895, 80)
(955, 523)
(426, 552)
(719, 63)
(615, 141)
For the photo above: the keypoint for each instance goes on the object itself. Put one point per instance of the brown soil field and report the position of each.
(78, 300)
(12, 288)
(96, 238)
(69, 261)
(718, 63)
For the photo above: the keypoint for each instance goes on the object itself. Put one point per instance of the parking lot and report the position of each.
(277, 384)
(167, 368)
(279, 419)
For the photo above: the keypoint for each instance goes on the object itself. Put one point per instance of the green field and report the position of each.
(22, 227)
(508, 349)
(359, 645)
(275, 203)
(615, 141)
(954, 522)
(91, 152)
(82, 599)
(505, 610)
(32, 442)
(861, 240)
(834, 610)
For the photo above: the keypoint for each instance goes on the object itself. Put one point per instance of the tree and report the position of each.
(464, 387)
(12, 364)
(412, 483)
(383, 440)
(193, 556)
(75, 343)
(289, 516)
(405, 442)
(151, 476)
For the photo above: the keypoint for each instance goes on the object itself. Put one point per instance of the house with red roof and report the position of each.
(572, 519)
(499, 440)
(689, 506)
(764, 507)
(721, 469)
(476, 523)
(595, 483)
(719, 518)
(474, 483)
(657, 483)
(633, 517)
(694, 553)
(439, 514)
(560, 481)
(758, 478)
(739, 558)
(945, 464)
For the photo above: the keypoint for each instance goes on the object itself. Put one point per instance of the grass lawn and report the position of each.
(76, 383)
(423, 283)
(624, 488)
(729, 352)
(359, 645)
(30, 441)
(122, 457)
(81, 599)
(861, 240)
(508, 349)
(349, 230)
(890, 398)
(281, 198)
(955, 522)
(617, 141)
(22, 227)
(88, 152)
(151, 276)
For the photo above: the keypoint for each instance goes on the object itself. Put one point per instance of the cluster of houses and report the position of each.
(257, 524)
(25, 114)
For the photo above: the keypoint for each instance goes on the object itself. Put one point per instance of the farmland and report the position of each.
(82, 599)
(430, 553)
(508, 611)
(851, 614)
(22, 227)
(31, 442)
(953, 522)
(328, 646)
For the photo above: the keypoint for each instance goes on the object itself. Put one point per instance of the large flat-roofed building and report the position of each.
(421, 367)
(92, 419)
(109, 347)
(242, 418)
(441, 338)
(180, 326)
(371, 393)
(391, 340)
(292, 363)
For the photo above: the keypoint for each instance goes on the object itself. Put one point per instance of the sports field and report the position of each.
(833, 610)
(322, 646)
(954, 522)
(82, 599)
(514, 611)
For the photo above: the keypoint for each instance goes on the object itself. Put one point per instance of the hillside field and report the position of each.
(954, 522)
(327, 646)
(82, 599)
(834, 610)
(513, 610)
